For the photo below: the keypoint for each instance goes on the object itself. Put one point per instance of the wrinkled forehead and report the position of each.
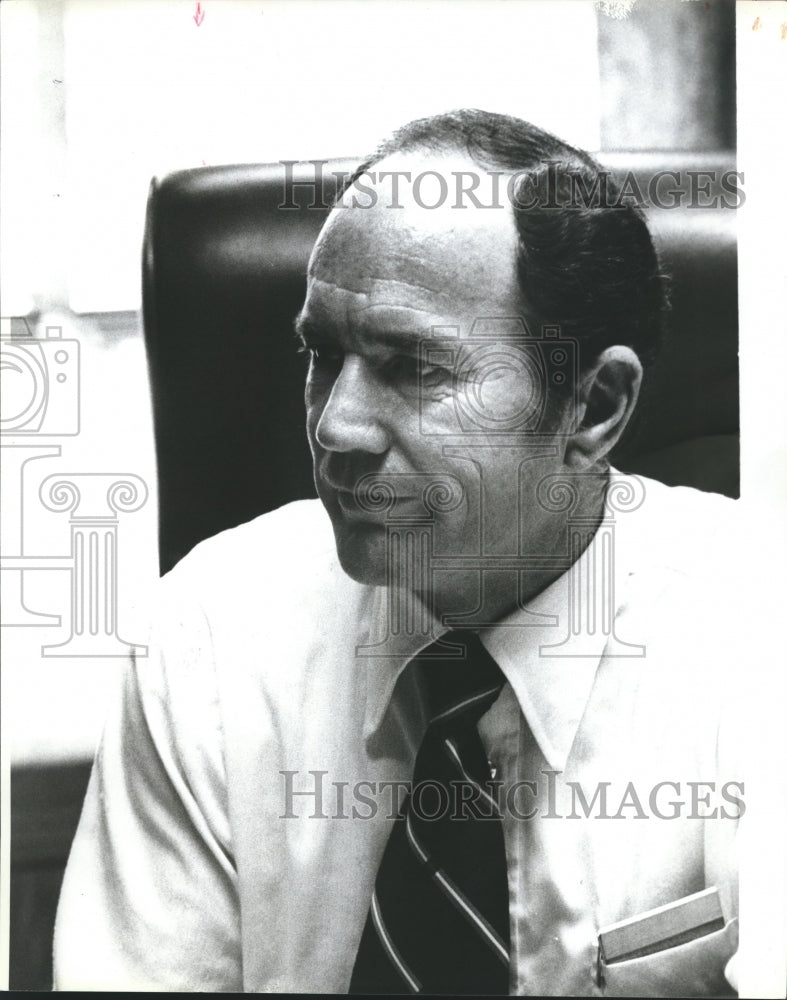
(403, 222)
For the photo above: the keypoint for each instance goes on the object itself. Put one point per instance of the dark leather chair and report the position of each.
(224, 276)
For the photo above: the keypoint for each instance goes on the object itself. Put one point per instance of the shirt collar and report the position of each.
(550, 665)
(389, 652)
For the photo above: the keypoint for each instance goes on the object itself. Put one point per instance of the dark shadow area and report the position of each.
(45, 806)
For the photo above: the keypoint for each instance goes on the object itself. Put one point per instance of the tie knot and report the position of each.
(462, 678)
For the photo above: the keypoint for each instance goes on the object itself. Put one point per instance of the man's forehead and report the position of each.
(387, 312)
(401, 297)
(413, 256)
(432, 182)
(423, 195)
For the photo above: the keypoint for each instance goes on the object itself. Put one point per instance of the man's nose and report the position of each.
(354, 416)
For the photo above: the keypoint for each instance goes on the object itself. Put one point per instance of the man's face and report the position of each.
(380, 280)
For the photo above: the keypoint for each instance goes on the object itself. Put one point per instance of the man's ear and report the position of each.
(607, 396)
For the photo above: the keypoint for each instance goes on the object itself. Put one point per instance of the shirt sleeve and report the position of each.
(149, 898)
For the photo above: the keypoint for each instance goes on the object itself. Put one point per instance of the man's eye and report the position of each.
(411, 369)
(432, 373)
(432, 376)
(324, 355)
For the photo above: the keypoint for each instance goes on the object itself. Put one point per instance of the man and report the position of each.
(467, 731)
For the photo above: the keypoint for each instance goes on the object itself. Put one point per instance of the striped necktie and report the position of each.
(438, 920)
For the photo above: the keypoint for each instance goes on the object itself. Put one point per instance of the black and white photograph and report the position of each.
(393, 491)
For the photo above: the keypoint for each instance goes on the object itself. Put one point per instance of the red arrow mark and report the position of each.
(199, 16)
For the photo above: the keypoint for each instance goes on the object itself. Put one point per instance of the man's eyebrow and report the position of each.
(394, 338)
(401, 340)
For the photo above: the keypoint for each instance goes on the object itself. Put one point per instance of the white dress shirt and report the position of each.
(241, 797)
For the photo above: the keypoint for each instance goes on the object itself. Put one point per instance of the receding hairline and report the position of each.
(490, 139)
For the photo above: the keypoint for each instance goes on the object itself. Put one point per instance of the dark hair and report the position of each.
(588, 266)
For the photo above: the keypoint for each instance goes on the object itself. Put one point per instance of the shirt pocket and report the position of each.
(693, 969)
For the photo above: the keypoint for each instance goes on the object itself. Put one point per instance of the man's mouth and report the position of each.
(367, 499)
(353, 511)
(370, 504)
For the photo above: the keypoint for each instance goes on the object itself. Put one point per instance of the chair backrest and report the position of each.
(224, 268)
